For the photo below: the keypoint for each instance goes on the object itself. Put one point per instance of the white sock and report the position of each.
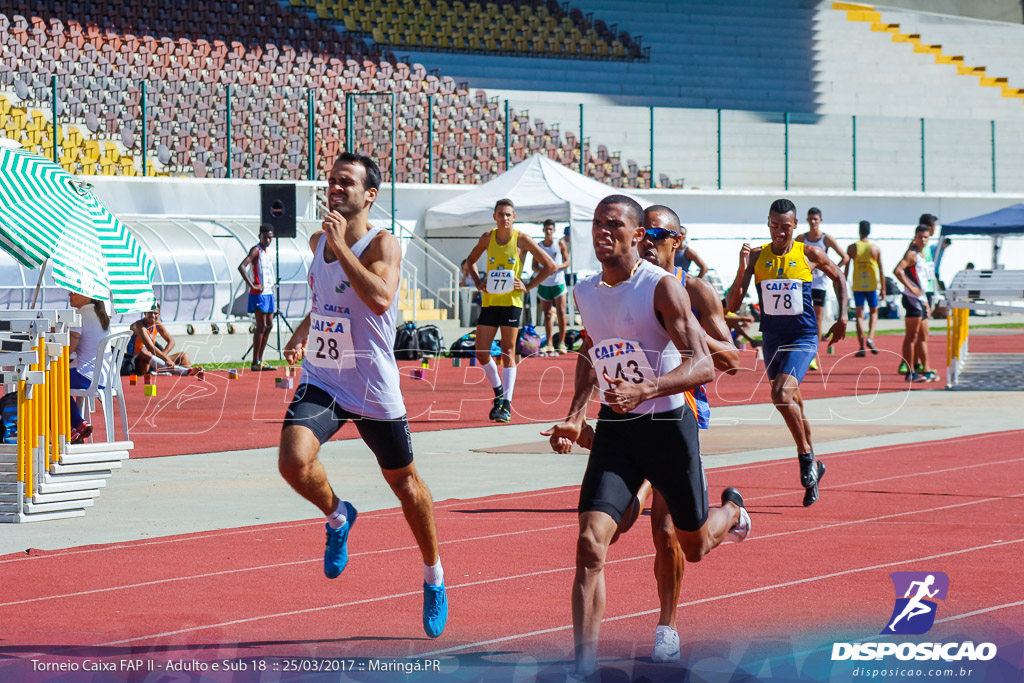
(508, 379)
(337, 518)
(433, 576)
(491, 370)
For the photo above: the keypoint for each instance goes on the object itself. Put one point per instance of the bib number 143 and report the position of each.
(620, 359)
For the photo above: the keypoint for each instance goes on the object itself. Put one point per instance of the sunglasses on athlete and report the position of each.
(655, 234)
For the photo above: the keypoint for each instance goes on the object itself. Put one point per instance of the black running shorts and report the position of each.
(818, 297)
(914, 307)
(315, 409)
(662, 448)
(500, 316)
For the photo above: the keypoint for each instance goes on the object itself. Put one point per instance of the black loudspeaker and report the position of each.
(278, 208)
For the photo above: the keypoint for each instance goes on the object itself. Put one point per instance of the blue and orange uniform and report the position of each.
(696, 398)
(789, 326)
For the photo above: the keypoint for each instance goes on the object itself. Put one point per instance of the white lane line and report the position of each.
(751, 591)
(202, 535)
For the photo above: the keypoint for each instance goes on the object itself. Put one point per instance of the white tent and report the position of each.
(540, 189)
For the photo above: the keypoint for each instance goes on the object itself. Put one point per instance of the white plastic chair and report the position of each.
(118, 343)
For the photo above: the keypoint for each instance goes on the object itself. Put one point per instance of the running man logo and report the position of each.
(916, 595)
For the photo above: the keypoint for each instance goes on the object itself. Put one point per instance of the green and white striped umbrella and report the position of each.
(48, 214)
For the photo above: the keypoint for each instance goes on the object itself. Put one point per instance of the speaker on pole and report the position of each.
(277, 208)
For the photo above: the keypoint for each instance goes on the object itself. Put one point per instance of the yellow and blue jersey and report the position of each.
(504, 257)
(783, 285)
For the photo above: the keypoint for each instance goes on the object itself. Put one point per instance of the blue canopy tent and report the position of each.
(998, 224)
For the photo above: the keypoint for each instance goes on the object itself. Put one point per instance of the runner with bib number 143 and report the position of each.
(789, 327)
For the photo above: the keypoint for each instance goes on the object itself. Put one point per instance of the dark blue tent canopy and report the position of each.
(1008, 221)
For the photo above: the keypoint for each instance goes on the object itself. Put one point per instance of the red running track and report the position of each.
(805, 578)
(219, 414)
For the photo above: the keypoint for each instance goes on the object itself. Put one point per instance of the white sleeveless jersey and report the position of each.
(349, 351)
(555, 252)
(263, 271)
(817, 277)
(629, 342)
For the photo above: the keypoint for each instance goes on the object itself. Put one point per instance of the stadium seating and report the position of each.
(523, 28)
(99, 75)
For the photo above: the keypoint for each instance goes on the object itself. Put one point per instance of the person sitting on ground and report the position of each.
(150, 357)
(84, 343)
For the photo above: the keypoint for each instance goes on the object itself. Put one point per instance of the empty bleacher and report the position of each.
(529, 28)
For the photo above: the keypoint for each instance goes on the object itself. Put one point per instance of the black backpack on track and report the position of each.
(407, 342)
(431, 342)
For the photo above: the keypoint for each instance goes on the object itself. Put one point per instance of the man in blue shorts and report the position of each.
(258, 272)
(789, 328)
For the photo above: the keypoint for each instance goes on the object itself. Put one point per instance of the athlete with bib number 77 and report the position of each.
(789, 327)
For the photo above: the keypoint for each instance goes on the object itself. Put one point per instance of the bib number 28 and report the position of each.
(330, 341)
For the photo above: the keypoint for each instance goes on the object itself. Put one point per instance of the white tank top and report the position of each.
(555, 252)
(817, 277)
(349, 352)
(628, 339)
(263, 271)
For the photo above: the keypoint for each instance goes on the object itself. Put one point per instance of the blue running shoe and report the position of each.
(435, 609)
(336, 553)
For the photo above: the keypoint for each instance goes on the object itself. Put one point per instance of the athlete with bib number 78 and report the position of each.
(789, 327)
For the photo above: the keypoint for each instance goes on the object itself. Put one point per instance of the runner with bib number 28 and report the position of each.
(789, 327)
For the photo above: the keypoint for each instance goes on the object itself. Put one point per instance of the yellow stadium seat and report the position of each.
(127, 166)
(112, 152)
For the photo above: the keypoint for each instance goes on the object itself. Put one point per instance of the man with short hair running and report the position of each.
(502, 306)
(349, 373)
(258, 272)
(912, 272)
(816, 237)
(782, 273)
(868, 285)
(661, 240)
(551, 292)
(643, 348)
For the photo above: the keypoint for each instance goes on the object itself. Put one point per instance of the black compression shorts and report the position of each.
(315, 409)
(500, 316)
(662, 448)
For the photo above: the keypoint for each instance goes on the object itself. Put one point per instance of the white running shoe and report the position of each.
(742, 528)
(666, 645)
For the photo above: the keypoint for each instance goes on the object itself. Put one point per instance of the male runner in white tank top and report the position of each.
(349, 373)
(551, 292)
(816, 237)
(644, 348)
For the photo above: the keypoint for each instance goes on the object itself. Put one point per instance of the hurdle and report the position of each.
(52, 478)
(976, 290)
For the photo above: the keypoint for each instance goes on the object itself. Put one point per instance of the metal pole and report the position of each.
(348, 122)
(56, 123)
(277, 296)
(145, 144)
(652, 147)
(508, 135)
(854, 152)
(430, 138)
(311, 152)
(787, 152)
(993, 124)
(394, 151)
(583, 159)
(719, 149)
(228, 112)
(922, 155)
